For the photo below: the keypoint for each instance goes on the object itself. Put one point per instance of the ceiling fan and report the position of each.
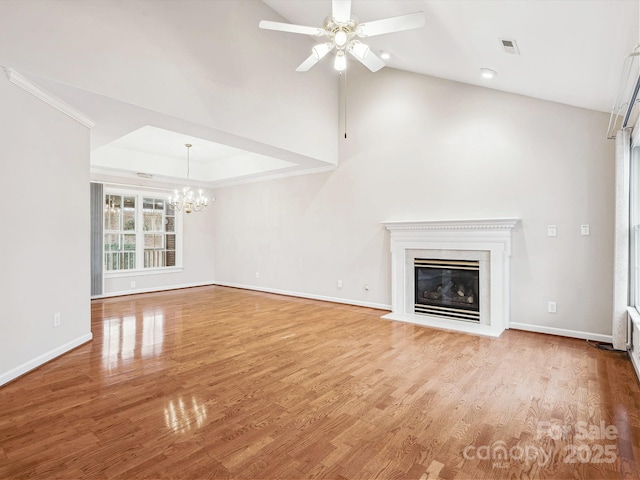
(342, 32)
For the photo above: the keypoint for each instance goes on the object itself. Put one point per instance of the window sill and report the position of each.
(146, 271)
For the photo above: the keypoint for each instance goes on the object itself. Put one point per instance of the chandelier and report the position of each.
(187, 199)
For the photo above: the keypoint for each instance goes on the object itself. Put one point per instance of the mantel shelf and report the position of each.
(471, 224)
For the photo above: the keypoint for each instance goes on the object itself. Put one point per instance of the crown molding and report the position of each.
(37, 91)
(472, 224)
(274, 176)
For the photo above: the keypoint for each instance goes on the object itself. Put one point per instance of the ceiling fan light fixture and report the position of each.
(488, 73)
(340, 62)
(321, 50)
(340, 29)
(341, 38)
(359, 49)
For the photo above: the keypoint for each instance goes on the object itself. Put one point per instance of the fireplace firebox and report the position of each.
(447, 288)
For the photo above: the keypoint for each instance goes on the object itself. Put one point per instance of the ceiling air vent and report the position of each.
(510, 46)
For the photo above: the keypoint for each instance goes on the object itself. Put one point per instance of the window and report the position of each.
(119, 232)
(159, 233)
(140, 232)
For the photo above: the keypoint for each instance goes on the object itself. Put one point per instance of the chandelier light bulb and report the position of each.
(340, 38)
(340, 63)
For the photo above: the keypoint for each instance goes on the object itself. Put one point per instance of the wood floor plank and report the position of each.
(215, 382)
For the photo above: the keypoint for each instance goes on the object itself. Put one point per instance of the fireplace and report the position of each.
(452, 274)
(447, 288)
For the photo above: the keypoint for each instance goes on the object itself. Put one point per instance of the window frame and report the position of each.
(139, 232)
(121, 254)
(634, 226)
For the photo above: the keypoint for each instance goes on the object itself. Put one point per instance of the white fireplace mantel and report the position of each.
(455, 236)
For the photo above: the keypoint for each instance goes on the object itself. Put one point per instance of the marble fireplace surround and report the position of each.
(488, 240)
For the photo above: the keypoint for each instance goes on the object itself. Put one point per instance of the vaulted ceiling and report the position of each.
(570, 51)
(155, 75)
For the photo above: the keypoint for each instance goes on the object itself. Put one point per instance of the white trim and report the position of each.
(621, 239)
(562, 332)
(491, 235)
(141, 272)
(476, 224)
(38, 92)
(275, 176)
(133, 186)
(140, 194)
(209, 185)
(377, 306)
(311, 296)
(636, 366)
(151, 290)
(44, 358)
(633, 349)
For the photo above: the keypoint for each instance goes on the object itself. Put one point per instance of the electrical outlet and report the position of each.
(257, 274)
(551, 307)
(56, 319)
(133, 284)
(339, 283)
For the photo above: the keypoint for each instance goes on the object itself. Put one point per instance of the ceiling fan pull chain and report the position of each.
(345, 103)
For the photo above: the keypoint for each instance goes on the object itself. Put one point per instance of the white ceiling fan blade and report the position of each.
(365, 56)
(341, 10)
(308, 63)
(390, 25)
(291, 28)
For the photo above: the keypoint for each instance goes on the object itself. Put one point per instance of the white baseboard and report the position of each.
(324, 298)
(151, 290)
(44, 358)
(562, 332)
(378, 306)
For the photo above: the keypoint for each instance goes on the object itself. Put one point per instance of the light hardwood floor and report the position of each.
(215, 382)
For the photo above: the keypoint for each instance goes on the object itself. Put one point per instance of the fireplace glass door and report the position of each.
(448, 288)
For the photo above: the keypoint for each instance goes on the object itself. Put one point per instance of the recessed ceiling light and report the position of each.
(488, 73)
(385, 55)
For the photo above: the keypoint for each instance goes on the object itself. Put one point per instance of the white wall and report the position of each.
(203, 61)
(44, 245)
(421, 148)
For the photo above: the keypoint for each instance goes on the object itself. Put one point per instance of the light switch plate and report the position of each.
(552, 231)
(584, 230)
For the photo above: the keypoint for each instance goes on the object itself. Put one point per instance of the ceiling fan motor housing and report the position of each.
(341, 34)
